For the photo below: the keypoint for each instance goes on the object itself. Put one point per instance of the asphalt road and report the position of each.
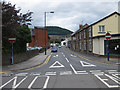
(64, 70)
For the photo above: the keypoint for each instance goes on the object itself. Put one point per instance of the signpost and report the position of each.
(12, 40)
(108, 36)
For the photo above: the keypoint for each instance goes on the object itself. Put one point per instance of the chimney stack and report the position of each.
(80, 26)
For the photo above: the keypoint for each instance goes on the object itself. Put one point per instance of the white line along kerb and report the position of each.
(53, 65)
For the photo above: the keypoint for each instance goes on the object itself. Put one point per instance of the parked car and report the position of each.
(54, 49)
(59, 46)
(38, 48)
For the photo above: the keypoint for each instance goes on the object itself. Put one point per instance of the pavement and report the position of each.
(41, 58)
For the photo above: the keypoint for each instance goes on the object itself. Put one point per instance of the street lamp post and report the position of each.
(45, 29)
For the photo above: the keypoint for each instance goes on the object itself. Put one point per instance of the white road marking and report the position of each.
(96, 72)
(14, 83)
(113, 78)
(82, 72)
(66, 73)
(53, 65)
(63, 55)
(112, 71)
(55, 56)
(21, 74)
(73, 69)
(32, 82)
(105, 81)
(50, 73)
(46, 82)
(66, 59)
(35, 74)
(78, 72)
(7, 83)
(83, 63)
(73, 55)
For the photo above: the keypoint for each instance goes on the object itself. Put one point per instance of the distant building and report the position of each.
(38, 37)
(91, 39)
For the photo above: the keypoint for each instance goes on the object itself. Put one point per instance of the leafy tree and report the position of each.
(15, 23)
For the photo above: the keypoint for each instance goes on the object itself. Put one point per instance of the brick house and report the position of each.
(81, 40)
(38, 37)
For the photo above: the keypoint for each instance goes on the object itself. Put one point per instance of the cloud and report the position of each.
(68, 14)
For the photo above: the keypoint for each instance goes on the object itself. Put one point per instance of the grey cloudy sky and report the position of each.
(68, 13)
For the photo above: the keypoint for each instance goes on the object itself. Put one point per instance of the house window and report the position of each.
(80, 35)
(80, 45)
(102, 28)
(84, 46)
(84, 34)
(90, 32)
(90, 45)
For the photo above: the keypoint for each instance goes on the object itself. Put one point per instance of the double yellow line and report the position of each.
(46, 61)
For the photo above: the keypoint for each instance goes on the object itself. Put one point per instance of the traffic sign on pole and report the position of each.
(12, 40)
(108, 36)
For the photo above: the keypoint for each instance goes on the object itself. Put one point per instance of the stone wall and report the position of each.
(19, 57)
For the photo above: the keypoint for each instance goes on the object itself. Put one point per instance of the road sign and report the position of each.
(12, 39)
(107, 36)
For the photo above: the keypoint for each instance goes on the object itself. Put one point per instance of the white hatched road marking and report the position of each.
(105, 81)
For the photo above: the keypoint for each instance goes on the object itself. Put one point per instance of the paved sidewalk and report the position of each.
(112, 61)
(35, 61)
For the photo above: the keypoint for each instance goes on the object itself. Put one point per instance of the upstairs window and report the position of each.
(80, 35)
(102, 28)
(84, 34)
(90, 32)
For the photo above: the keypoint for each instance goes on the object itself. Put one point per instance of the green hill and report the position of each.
(54, 30)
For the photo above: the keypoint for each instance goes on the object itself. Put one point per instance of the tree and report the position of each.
(23, 36)
(14, 23)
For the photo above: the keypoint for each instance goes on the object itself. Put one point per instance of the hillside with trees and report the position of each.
(55, 30)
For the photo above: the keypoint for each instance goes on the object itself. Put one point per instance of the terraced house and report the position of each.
(91, 39)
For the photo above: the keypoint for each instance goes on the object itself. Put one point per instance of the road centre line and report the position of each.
(66, 59)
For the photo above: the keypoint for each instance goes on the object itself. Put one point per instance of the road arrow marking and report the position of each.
(58, 66)
(86, 64)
